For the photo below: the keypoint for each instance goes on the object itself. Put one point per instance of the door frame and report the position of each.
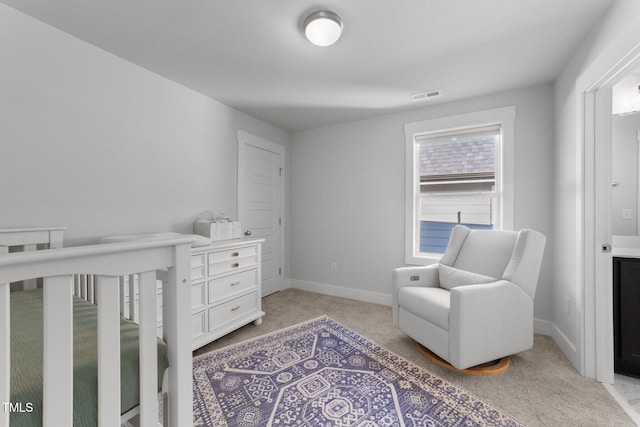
(597, 323)
(244, 139)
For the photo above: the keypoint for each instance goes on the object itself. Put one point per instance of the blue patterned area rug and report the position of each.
(320, 373)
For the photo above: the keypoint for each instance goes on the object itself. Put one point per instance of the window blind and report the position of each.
(491, 130)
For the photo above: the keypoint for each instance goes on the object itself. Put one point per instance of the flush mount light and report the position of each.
(323, 28)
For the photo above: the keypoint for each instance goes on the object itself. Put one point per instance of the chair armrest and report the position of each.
(489, 321)
(425, 276)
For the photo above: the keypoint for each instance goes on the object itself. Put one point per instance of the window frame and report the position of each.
(505, 118)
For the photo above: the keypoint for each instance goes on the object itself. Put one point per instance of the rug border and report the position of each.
(410, 364)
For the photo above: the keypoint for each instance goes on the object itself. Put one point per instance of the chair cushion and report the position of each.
(432, 304)
(456, 241)
(451, 277)
(486, 252)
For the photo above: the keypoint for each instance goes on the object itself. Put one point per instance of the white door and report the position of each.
(260, 202)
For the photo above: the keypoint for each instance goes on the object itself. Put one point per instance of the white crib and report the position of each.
(30, 239)
(101, 267)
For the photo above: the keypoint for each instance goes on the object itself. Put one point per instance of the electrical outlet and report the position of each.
(626, 213)
(567, 305)
(333, 266)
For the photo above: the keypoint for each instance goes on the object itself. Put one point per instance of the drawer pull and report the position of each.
(236, 254)
(236, 265)
(235, 283)
(235, 308)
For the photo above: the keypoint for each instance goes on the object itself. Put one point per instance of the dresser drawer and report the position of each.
(125, 285)
(230, 254)
(229, 285)
(198, 296)
(229, 311)
(197, 267)
(136, 317)
(198, 324)
(231, 265)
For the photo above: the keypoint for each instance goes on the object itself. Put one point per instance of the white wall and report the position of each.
(624, 161)
(348, 194)
(616, 35)
(99, 145)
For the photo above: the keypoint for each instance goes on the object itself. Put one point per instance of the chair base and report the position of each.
(496, 367)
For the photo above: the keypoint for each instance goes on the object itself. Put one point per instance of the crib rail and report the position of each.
(50, 236)
(29, 239)
(106, 263)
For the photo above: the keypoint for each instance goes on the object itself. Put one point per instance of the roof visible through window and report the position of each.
(470, 157)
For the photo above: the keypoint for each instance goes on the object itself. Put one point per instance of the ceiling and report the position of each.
(251, 54)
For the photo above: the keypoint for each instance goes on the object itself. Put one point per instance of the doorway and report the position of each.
(261, 202)
(625, 138)
(623, 226)
(600, 123)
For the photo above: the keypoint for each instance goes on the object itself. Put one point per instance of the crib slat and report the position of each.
(176, 329)
(123, 303)
(133, 309)
(91, 285)
(57, 381)
(5, 342)
(148, 349)
(107, 290)
(5, 350)
(29, 284)
(83, 286)
(76, 285)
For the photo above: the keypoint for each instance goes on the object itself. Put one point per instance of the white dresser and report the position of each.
(225, 288)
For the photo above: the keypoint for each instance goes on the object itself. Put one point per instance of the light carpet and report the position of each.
(321, 373)
(540, 388)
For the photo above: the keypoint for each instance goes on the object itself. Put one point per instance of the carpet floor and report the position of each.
(541, 388)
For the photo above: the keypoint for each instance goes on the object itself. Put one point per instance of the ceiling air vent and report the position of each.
(423, 96)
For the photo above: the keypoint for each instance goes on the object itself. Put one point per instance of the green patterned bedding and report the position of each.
(26, 360)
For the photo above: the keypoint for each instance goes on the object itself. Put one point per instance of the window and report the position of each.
(459, 171)
(457, 175)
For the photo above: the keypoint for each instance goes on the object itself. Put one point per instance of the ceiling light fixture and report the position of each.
(323, 28)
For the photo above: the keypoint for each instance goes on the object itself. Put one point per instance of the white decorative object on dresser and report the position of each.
(225, 288)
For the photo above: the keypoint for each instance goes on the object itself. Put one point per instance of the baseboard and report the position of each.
(566, 346)
(340, 291)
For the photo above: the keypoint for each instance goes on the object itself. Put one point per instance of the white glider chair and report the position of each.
(476, 304)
